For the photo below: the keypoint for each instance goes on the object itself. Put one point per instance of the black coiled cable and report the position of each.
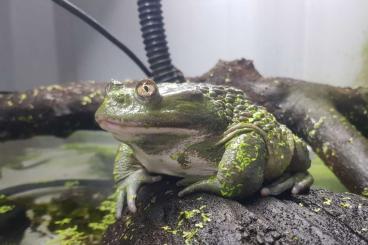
(154, 39)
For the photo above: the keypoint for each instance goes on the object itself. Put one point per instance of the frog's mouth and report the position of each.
(132, 130)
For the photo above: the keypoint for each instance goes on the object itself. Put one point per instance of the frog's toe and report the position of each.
(188, 180)
(278, 187)
(298, 183)
(120, 202)
(128, 188)
(131, 196)
(302, 184)
(208, 185)
(132, 188)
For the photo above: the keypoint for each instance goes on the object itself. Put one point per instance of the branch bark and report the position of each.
(320, 217)
(50, 110)
(333, 120)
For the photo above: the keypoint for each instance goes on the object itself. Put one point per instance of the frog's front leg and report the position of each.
(129, 175)
(240, 171)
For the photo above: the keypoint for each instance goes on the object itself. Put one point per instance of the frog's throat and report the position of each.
(127, 132)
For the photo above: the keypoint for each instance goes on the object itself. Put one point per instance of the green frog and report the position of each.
(211, 136)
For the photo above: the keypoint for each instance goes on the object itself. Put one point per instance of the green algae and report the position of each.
(186, 217)
(70, 184)
(75, 219)
(345, 205)
(6, 208)
(69, 236)
(327, 201)
(365, 192)
(86, 100)
(107, 207)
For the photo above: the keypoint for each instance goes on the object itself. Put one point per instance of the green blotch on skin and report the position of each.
(228, 190)
(181, 158)
(175, 155)
(208, 150)
(159, 142)
(243, 157)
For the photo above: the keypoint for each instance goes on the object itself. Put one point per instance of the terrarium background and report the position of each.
(313, 40)
(40, 44)
(323, 41)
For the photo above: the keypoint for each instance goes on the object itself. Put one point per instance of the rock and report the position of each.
(319, 217)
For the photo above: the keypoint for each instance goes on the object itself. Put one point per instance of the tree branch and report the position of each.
(320, 217)
(53, 110)
(333, 120)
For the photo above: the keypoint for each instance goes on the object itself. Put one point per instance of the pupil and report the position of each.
(145, 88)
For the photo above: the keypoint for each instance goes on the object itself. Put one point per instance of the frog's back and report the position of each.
(233, 106)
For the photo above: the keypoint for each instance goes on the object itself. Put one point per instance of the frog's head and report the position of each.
(133, 109)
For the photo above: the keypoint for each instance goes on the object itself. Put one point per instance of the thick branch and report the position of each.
(52, 110)
(320, 217)
(332, 120)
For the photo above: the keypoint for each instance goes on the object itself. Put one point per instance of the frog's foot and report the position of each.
(211, 185)
(189, 180)
(297, 182)
(128, 188)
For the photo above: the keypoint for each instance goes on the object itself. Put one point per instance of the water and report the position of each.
(85, 154)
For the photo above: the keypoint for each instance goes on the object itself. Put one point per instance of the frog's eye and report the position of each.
(146, 89)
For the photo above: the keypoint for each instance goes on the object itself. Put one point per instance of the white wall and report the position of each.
(40, 43)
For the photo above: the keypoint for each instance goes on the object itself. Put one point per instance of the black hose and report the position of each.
(154, 39)
(99, 28)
